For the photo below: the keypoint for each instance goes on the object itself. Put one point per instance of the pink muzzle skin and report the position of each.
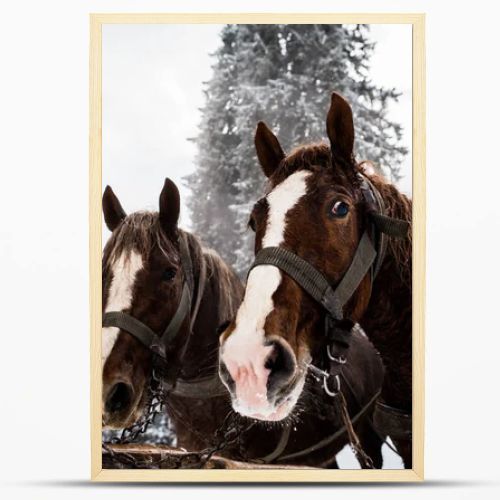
(250, 384)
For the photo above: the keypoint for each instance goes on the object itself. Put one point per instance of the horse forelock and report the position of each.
(139, 232)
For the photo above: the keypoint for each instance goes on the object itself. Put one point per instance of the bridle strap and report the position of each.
(361, 264)
(314, 282)
(306, 275)
(202, 279)
(367, 258)
(382, 226)
(149, 338)
(186, 263)
(143, 333)
(396, 228)
(129, 324)
(175, 323)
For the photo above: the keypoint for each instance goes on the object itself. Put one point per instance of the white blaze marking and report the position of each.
(124, 271)
(246, 343)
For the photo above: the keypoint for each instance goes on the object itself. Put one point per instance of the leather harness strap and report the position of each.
(392, 421)
(128, 323)
(200, 388)
(314, 282)
(330, 439)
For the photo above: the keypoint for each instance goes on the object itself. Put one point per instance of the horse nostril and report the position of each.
(281, 366)
(119, 397)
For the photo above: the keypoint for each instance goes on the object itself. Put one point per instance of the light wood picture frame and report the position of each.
(417, 21)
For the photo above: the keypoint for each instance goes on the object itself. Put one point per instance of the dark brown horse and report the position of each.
(315, 209)
(143, 277)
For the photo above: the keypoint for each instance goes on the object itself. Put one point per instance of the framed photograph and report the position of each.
(257, 247)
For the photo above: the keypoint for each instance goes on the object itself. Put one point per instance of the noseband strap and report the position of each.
(314, 282)
(128, 323)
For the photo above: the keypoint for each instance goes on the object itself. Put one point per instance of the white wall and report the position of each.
(44, 367)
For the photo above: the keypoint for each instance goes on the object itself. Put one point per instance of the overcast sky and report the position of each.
(152, 95)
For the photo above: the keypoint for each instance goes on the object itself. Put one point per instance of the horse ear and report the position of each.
(340, 129)
(170, 205)
(268, 148)
(112, 209)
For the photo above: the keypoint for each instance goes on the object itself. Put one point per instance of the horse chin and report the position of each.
(280, 412)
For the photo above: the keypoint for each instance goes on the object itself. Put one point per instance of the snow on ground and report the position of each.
(347, 460)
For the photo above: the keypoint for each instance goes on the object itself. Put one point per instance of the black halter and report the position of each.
(158, 344)
(367, 259)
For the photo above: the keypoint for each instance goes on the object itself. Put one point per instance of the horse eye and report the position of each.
(340, 209)
(168, 274)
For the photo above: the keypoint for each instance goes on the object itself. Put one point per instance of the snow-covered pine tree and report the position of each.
(283, 75)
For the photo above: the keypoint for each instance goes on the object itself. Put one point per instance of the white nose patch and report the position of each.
(124, 270)
(245, 346)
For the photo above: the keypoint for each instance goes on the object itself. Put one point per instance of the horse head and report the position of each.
(143, 279)
(314, 208)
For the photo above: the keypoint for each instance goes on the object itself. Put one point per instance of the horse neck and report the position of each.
(220, 298)
(388, 318)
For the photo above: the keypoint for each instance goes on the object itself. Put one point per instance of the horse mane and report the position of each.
(399, 206)
(229, 287)
(311, 156)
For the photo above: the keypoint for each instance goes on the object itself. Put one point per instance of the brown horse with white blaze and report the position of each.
(315, 209)
(143, 279)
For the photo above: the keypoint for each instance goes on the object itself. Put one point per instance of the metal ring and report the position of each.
(341, 360)
(155, 376)
(326, 388)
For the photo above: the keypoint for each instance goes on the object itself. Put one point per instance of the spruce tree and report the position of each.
(283, 75)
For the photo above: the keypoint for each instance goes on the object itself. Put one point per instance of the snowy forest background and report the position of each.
(183, 101)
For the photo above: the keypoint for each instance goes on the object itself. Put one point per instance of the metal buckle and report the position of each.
(341, 360)
(327, 389)
(159, 350)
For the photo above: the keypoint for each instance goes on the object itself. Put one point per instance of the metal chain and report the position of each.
(227, 434)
